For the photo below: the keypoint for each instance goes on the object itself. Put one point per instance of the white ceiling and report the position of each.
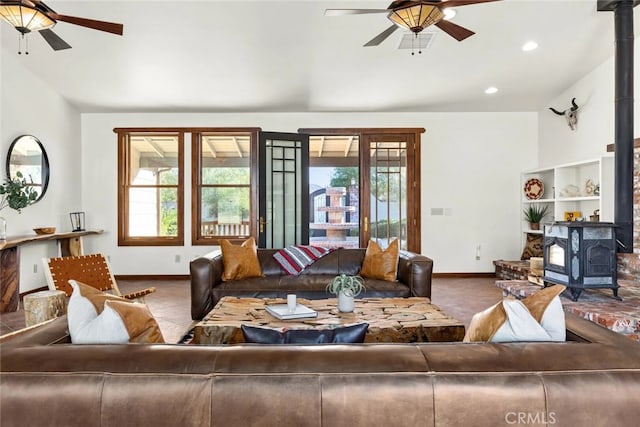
(277, 56)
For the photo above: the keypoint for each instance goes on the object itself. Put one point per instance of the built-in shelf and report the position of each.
(561, 179)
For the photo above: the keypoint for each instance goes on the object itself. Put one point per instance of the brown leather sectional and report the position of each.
(591, 380)
(207, 287)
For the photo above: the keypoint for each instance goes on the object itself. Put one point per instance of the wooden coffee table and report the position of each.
(390, 319)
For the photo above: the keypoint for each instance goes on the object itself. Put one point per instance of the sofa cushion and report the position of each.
(240, 261)
(112, 320)
(312, 286)
(346, 334)
(380, 264)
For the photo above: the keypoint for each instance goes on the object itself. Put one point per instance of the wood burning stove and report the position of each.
(581, 255)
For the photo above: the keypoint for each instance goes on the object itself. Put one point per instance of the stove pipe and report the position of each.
(624, 56)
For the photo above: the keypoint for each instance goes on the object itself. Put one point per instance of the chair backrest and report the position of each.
(92, 270)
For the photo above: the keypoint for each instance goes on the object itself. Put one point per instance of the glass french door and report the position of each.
(391, 208)
(283, 207)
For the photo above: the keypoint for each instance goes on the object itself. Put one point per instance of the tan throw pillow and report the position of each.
(537, 303)
(485, 324)
(380, 264)
(95, 317)
(137, 320)
(545, 306)
(539, 317)
(95, 296)
(240, 262)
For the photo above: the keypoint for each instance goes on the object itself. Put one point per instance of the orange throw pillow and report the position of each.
(240, 262)
(380, 264)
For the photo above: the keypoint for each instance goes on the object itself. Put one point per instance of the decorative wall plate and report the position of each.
(533, 189)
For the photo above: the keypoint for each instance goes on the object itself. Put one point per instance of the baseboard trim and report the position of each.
(462, 275)
(152, 277)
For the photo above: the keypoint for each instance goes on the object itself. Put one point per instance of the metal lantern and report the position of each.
(77, 221)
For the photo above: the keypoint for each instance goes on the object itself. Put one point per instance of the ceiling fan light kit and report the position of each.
(33, 15)
(24, 18)
(416, 17)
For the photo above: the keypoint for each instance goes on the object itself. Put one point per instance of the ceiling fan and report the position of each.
(33, 15)
(415, 16)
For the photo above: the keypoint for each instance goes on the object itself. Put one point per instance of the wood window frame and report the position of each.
(413, 136)
(196, 183)
(124, 239)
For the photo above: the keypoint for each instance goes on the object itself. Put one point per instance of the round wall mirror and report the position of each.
(27, 155)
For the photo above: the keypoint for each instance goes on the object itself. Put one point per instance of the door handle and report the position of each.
(262, 222)
(366, 223)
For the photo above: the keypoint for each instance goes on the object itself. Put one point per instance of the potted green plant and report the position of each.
(534, 215)
(346, 288)
(16, 194)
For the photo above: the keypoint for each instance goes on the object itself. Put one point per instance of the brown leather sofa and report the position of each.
(591, 380)
(207, 287)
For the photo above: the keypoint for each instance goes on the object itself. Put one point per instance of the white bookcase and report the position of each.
(565, 191)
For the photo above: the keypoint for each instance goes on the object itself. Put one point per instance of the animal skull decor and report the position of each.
(571, 114)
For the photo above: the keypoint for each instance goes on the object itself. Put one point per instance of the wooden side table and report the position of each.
(44, 305)
(69, 244)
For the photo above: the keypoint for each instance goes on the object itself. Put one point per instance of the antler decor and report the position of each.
(571, 114)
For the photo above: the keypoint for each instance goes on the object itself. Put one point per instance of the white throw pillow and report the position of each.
(539, 317)
(553, 320)
(80, 311)
(520, 325)
(106, 328)
(96, 317)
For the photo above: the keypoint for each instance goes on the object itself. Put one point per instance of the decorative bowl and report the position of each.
(45, 230)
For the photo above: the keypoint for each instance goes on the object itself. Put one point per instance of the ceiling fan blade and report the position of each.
(109, 27)
(382, 36)
(54, 40)
(27, 3)
(456, 31)
(455, 3)
(341, 12)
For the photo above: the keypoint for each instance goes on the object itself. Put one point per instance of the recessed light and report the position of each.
(529, 46)
(491, 90)
(449, 13)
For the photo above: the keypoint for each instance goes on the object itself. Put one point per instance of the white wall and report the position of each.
(595, 94)
(470, 162)
(29, 106)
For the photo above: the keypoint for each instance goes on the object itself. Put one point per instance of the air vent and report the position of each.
(421, 41)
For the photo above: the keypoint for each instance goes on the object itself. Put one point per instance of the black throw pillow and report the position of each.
(345, 334)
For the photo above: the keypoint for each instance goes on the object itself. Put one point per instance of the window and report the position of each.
(223, 185)
(363, 184)
(150, 188)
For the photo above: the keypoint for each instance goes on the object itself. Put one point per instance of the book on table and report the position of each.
(281, 311)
